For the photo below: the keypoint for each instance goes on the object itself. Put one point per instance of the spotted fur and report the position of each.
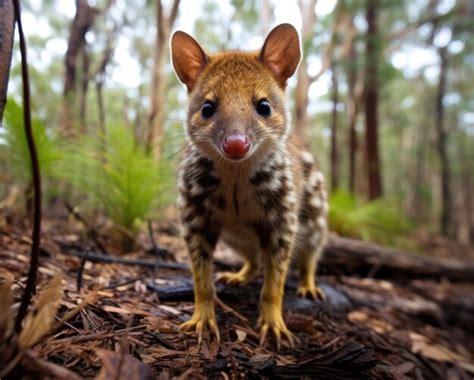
(269, 207)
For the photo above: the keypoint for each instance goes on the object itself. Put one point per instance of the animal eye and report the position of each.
(263, 108)
(208, 109)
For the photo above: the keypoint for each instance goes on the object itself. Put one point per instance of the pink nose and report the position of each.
(236, 145)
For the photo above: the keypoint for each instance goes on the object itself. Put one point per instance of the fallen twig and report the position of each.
(32, 360)
(155, 248)
(157, 264)
(80, 271)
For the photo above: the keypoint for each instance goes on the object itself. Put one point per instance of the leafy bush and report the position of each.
(379, 221)
(115, 173)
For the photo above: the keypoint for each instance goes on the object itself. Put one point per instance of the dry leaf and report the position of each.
(90, 298)
(379, 326)
(40, 320)
(241, 335)
(469, 367)
(424, 346)
(6, 315)
(122, 310)
(122, 367)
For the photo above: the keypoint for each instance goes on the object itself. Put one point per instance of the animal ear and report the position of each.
(281, 52)
(188, 58)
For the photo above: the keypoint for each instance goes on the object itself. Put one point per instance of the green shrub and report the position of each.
(115, 173)
(379, 221)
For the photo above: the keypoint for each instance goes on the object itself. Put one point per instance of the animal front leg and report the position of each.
(201, 248)
(277, 242)
(271, 302)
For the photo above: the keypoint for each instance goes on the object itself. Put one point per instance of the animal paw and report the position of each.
(272, 321)
(242, 277)
(203, 319)
(313, 292)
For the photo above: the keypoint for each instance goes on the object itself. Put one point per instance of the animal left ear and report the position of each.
(281, 52)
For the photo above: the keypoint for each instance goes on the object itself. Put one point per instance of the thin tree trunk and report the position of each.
(334, 127)
(442, 147)
(355, 92)
(99, 85)
(416, 205)
(82, 23)
(371, 103)
(84, 89)
(7, 29)
(156, 118)
(303, 79)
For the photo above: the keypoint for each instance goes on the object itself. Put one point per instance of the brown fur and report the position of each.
(270, 205)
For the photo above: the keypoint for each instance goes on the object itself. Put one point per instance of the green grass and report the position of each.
(378, 221)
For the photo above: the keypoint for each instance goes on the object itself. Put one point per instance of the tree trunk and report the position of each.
(82, 23)
(442, 142)
(371, 103)
(334, 126)
(353, 105)
(156, 117)
(7, 30)
(84, 89)
(303, 79)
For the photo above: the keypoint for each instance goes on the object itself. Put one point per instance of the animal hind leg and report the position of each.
(312, 234)
(247, 273)
(307, 267)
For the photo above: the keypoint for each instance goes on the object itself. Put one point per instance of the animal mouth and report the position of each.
(236, 146)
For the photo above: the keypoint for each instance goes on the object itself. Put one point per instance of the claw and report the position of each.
(313, 292)
(201, 320)
(273, 321)
(263, 334)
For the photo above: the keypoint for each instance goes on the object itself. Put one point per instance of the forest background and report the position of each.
(384, 95)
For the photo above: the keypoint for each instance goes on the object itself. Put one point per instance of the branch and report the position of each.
(342, 22)
(30, 288)
(155, 264)
(432, 19)
(173, 13)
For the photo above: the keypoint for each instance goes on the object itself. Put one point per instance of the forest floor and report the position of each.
(126, 324)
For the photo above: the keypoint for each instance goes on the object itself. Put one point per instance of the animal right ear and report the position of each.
(189, 59)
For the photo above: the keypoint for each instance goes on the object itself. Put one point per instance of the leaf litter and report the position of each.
(124, 321)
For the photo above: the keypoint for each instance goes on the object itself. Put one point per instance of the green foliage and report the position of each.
(114, 172)
(378, 221)
(14, 145)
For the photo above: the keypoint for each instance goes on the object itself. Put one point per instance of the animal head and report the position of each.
(237, 99)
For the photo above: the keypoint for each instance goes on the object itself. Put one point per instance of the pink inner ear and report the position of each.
(275, 68)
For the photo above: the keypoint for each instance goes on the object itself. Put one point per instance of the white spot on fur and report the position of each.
(322, 222)
(316, 202)
(307, 157)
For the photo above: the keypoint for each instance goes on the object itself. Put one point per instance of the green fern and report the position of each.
(378, 221)
(15, 146)
(114, 172)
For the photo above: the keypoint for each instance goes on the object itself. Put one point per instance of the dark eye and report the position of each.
(208, 109)
(263, 108)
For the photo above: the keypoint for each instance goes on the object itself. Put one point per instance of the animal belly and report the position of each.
(241, 239)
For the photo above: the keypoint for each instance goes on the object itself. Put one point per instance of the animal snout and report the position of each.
(236, 145)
